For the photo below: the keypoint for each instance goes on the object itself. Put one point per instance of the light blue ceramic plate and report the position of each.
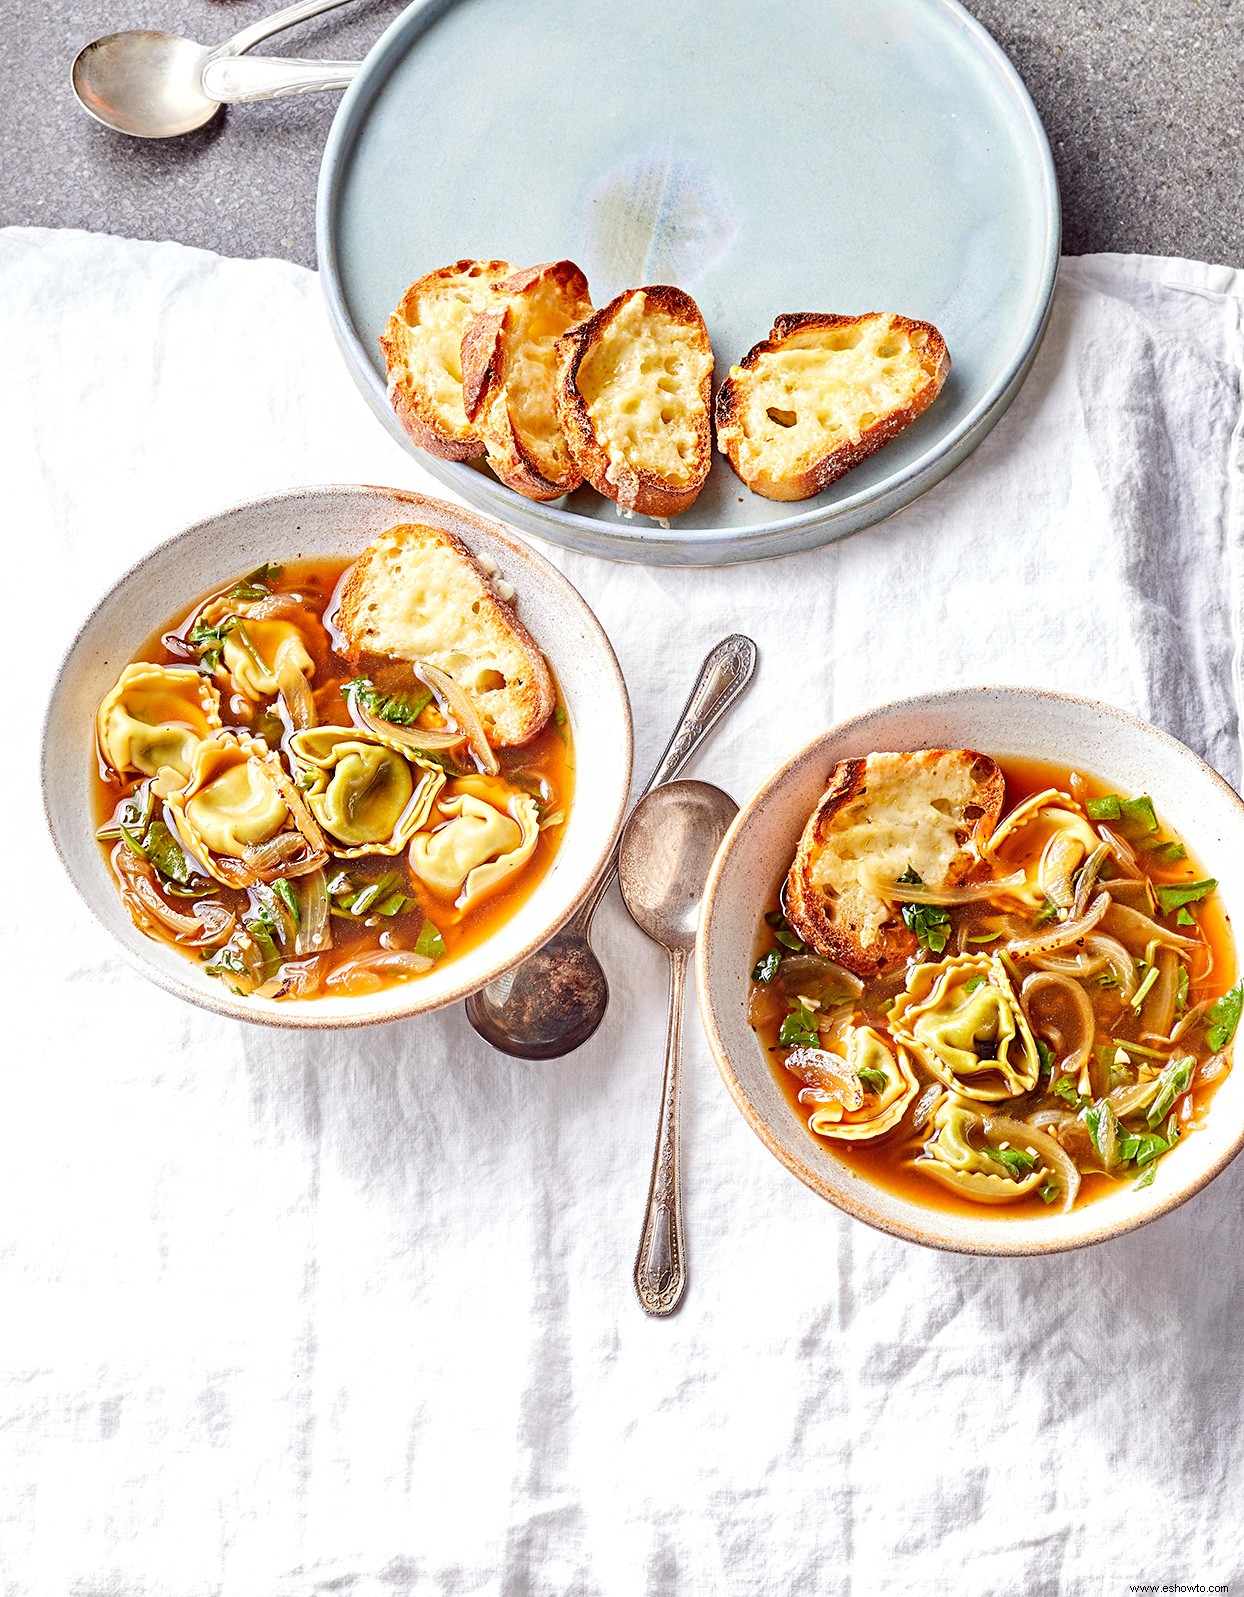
(766, 155)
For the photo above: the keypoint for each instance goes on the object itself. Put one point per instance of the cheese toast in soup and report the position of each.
(993, 985)
(330, 777)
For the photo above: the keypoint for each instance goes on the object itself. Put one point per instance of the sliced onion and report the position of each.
(296, 697)
(462, 712)
(1044, 1118)
(1088, 876)
(277, 857)
(1121, 851)
(1158, 1006)
(1059, 860)
(919, 893)
(1046, 942)
(1189, 1020)
(300, 979)
(314, 928)
(1214, 1068)
(1136, 1095)
(366, 973)
(1129, 925)
(1126, 890)
(1099, 953)
(415, 738)
(1076, 1051)
(998, 1128)
(211, 923)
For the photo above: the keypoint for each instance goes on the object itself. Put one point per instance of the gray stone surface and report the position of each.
(1142, 99)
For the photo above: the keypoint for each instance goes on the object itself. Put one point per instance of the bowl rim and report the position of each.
(858, 1207)
(303, 1018)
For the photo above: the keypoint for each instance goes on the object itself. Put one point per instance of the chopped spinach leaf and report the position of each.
(429, 943)
(167, 854)
(1222, 1017)
(1173, 1082)
(1184, 918)
(767, 967)
(1047, 1192)
(1108, 808)
(1168, 853)
(929, 922)
(1047, 912)
(258, 585)
(1181, 990)
(1136, 817)
(1146, 1176)
(784, 931)
(1176, 895)
(874, 1080)
(1046, 1055)
(1016, 1161)
(799, 1030)
(403, 709)
(973, 983)
(289, 898)
(1065, 1089)
(209, 642)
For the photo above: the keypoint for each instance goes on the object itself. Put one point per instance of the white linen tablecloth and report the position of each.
(351, 1314)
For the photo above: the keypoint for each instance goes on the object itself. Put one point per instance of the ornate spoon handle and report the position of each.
(257, 32)
(726, 671)
(235, 80)
(661, 1263)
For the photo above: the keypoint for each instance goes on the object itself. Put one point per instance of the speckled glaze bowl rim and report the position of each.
(783, 534)
(1086, 1233)
(406, 1003)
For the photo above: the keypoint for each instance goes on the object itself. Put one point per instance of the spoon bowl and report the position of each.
(668, 849)
(144, 83)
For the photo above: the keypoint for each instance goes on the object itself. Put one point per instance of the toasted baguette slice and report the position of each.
(418, 593)
(880, 816)
(422, 346)
(509, 376)
(633, 398)
(821, 393)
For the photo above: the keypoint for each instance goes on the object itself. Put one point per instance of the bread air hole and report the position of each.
(842, 340)
(784, 418)
(490, 682)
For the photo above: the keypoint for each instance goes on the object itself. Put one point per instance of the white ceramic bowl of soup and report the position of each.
(323, 523)
(1017, 723)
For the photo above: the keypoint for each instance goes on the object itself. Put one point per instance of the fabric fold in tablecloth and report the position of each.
(351, 1313)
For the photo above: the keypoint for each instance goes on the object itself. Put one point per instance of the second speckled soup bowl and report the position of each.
(1025, 723)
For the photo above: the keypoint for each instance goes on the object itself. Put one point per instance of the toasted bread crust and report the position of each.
(810, 910)
(426, 420)
(512, 716)
(633, 486)
(491, 403)
(827, 468)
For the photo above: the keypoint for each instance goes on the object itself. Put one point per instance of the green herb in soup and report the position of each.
(983, 987)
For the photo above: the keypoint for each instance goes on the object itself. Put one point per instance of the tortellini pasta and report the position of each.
(155, 717)
(259, 653)
(477, 846)
(238, 799)
(962, 1021)
(1047, 837)
(951, 1158)
(368, 796)
(861, 1094)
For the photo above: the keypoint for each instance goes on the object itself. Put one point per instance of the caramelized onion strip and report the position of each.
(919, 893)
(1056, 937)
(1076, 1050)
(456, 702)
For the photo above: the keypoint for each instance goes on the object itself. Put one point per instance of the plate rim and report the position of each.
(657, 544)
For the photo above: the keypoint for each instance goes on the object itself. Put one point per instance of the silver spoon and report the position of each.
(553, 1002)
(668, 848)
(155, 85)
